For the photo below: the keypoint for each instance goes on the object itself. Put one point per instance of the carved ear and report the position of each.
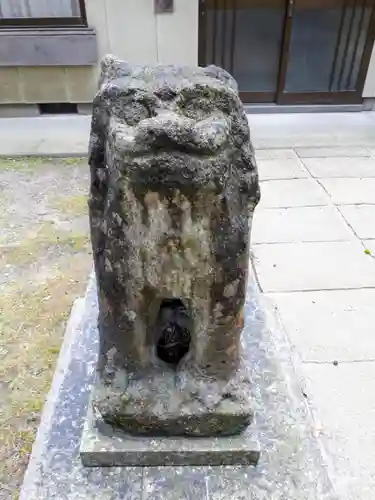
(111, 67)
(222, 75)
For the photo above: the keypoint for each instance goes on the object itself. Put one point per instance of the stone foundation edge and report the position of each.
(109, 449)
(293, 463)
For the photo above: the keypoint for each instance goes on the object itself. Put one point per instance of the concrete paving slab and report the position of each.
(55, 146)
(333, 152)
(361, 218)
(68, 134)
(350, 191)
(307, 130)
(276, 154)
(313, 266)
(289, 168)
(329, 325)
(61, 135)
(285, 225)
(343, 402)
(340, 167)
(292, 193)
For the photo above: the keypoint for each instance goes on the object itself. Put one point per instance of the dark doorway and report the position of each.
(290, 51)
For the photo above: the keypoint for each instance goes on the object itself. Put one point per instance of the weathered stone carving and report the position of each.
(173, 187)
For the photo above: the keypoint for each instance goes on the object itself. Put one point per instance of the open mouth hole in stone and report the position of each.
(173, 335)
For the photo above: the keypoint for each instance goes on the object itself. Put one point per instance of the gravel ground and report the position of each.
(44, 265)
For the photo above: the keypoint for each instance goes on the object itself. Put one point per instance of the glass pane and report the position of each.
(245, 37)
(327, 43)
(352, 50)
(21, 9)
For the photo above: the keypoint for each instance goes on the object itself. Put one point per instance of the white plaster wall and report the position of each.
(369, 88)
(131, 30)
(177, 34)
(97, 19)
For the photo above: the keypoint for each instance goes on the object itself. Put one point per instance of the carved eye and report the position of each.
(200, 101)
(195, 104)
(136, 111)
(134, 106)
(196, 108)
(166, 94)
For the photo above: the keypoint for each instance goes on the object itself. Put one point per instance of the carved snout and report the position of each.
(174, 132)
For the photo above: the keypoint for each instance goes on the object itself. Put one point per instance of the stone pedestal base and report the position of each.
(102, 446)
(291, 466)
(163, 402)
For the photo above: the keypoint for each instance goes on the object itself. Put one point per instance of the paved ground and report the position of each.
(69, 134)
(313, 246)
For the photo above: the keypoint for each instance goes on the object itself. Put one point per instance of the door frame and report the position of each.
(339, 97)
(294, 98)
(246, 96)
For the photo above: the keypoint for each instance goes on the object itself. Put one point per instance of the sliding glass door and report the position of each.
(245, 37)
(326, 51)
(290, 51)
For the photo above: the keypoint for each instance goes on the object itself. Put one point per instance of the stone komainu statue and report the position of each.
(173, 188)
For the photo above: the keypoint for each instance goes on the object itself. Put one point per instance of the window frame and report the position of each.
(47, 22)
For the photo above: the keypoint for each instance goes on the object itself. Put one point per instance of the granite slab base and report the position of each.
(106, 447)
(293, 464)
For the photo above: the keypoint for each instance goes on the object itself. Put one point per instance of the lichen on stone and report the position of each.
(173, 186)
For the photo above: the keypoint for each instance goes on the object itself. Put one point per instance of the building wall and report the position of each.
(369, 88)
(177, 34)
(128, 29)
(34, 85)
(132, 31)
